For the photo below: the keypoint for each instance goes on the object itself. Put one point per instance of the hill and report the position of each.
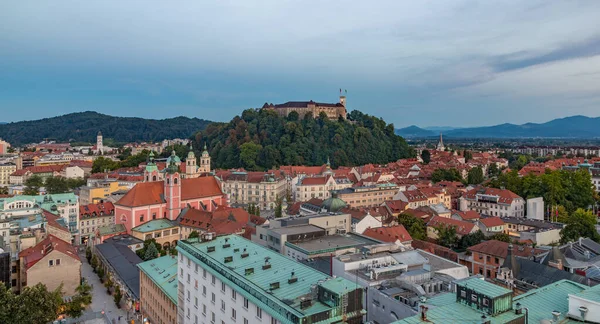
(568, 127)
(260, 140)
(414, 131)
(84, 126)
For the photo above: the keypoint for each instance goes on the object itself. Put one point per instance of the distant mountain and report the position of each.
(568, 127)
(414, 131)
(84, 126)
(438, 129)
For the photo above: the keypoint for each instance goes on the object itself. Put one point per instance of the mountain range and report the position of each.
(568, 127)
(84, 126)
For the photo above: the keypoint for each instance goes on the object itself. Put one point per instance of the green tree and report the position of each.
(35, 304)
(471, 239)
(581, 223)
(3, 190)
(468, 155)
(100, 273)
(475, 176)
(88, 254)
(279, 207)
(94, 262)
(445, 175)
(55, 185)
(103, 163)
(447, 236)
(194, 234)
(74, 307)
(151, 252)
(117, 297)
(108, 283)
(33, 185)
(426, 156)
(249, 155)
(500, 237)
(415, 226)
(493, 170)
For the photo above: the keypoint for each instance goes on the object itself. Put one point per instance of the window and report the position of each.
(153, 215)
(463, 294)
(204, 273)
(204, 290)
(188, 295)
(195, 319)
(473, 297)
(203, 309)
(142, 218)
(485, 302)
(222, 286)
(222, 305)
(233, 294)
(196, 284)
(212, 317)
(57, 262)
(214, 280)
(188, 278)
(196, 270)
(245, 320)
(274, 321)
(233, 313)
(51, 263)
(258, 312)
(213, 298)
(245, 303)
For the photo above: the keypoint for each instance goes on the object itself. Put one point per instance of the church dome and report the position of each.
(173, 158)
(333, 204)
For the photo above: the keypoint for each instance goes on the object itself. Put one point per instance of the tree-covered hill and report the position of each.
(84, 126)
(260, 139)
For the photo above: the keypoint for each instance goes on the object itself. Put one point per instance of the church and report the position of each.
(188, 170)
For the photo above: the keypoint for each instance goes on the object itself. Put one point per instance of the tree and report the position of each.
(151, 252)
(94, 262)
(3, 190)
(102, 163)
(500, 237)
(471, 239)
(278, 207)
(415, 226)
(100, 274)
(108, 283)
(194, 234)
(447, 236)
(33, 185)
(493, 170)
(117, 297)
(35, 304)
(475, 176)
(426, 156)
(445, 175)
(249, 154)
(55, 185)
(467, 155)
(581, 223)
(88, 254)
(74, 308)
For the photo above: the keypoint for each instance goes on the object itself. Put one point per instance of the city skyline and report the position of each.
(427, 64)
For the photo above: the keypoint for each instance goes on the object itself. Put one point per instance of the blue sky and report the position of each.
(429, 63)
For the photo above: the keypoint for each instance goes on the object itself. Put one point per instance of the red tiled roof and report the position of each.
(396, 206)
(36, 253)
(433, 248)
(462, 227)
(224, 220)
(467, 215)
(492, 221)
(81, 163)
(505, 196)
(389, 234)
(500, 249)
(52, 220)
(149, 193)
(39, 169)
(308, 170)
(99, 209)
(314, 181)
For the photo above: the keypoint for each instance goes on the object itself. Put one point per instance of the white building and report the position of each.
(232, 280)
(493, 202)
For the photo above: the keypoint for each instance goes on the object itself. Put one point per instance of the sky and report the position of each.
(426, 63)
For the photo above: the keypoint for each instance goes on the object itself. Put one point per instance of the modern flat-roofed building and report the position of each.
(368, 196)
(158, 289)
(231, 279)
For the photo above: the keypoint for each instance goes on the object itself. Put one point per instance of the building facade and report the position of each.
(259, 188)
(493, 202)
(230, 279)
(6, 169)
(332, 110)
(368, 196)
(92, 217)
(158, 289)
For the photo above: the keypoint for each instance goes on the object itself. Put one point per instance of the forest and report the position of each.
(261, 140)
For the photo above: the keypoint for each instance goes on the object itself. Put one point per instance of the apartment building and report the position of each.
(368, 196)
(94, 216)
(319, 187)
(6, 169)
(259, 188)
(232, 280)
(158, 289)
(493, 202)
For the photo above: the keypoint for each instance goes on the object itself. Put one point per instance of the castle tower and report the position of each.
(204, 161)
(440, 146)
(172, 186)
(99, 145)
(343, 100)
(191, 167)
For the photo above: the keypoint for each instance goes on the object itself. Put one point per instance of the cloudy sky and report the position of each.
(429, 63)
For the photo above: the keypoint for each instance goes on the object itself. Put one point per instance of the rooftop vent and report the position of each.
(293, 278)
(210, 249)
(249, 271)
(228, 259)
(236, 250)
(274, 285)
(267, 265)
(305, 304)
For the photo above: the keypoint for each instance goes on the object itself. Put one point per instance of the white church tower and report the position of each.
(99, 145)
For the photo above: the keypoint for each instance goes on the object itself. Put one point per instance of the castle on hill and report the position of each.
(333, 110)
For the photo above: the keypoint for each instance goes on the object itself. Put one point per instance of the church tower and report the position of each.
(99, 145)
(204, 161)
(172, 187)
(440, 146)
(191, 167)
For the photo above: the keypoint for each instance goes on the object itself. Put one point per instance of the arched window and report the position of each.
(175, 180)
(153, 178)
(168, 181)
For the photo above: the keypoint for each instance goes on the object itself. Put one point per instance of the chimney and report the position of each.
(556, 316)
(424, 313)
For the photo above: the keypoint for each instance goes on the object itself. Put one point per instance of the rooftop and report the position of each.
(299, 229)
(124, 261)
(240, 262)
(483, 286)
(163, 272)
(330, 242)
(154, 225)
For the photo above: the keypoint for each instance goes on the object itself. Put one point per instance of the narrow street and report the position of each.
(101, 301)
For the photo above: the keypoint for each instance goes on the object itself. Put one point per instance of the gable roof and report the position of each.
(467, 215)
(504, 196)
(500, 249)
(223, 220)
(492, 221)
(389, 234)
(150, 193)
(462, 227)
(37, 252)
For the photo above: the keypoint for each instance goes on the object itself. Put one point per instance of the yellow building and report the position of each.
(99, 191)
(6, 169)
(162, 230)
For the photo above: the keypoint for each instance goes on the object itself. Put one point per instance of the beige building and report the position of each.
(333, 110)
(165, 232)
(493, 202)
(425, 197)
(51, 262)
(92, 217)
(259, 188)
(319, 187)
(6, 169)
(158, 289)
(368, 196)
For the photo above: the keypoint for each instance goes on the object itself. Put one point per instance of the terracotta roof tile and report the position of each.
(500, 249)
(36, 253)
(389, 234)
(150, 193)
(492, 221)
(462, 227)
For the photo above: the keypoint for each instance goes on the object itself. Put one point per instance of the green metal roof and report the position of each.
(484, 287)
(459, 313)
(257, 286)
(340, 286)
(154, 225)
(543, 301)
(163, 272)
(111, 229)
(44, 201)
(591, 293)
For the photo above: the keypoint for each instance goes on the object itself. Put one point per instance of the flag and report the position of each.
(340, 90)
